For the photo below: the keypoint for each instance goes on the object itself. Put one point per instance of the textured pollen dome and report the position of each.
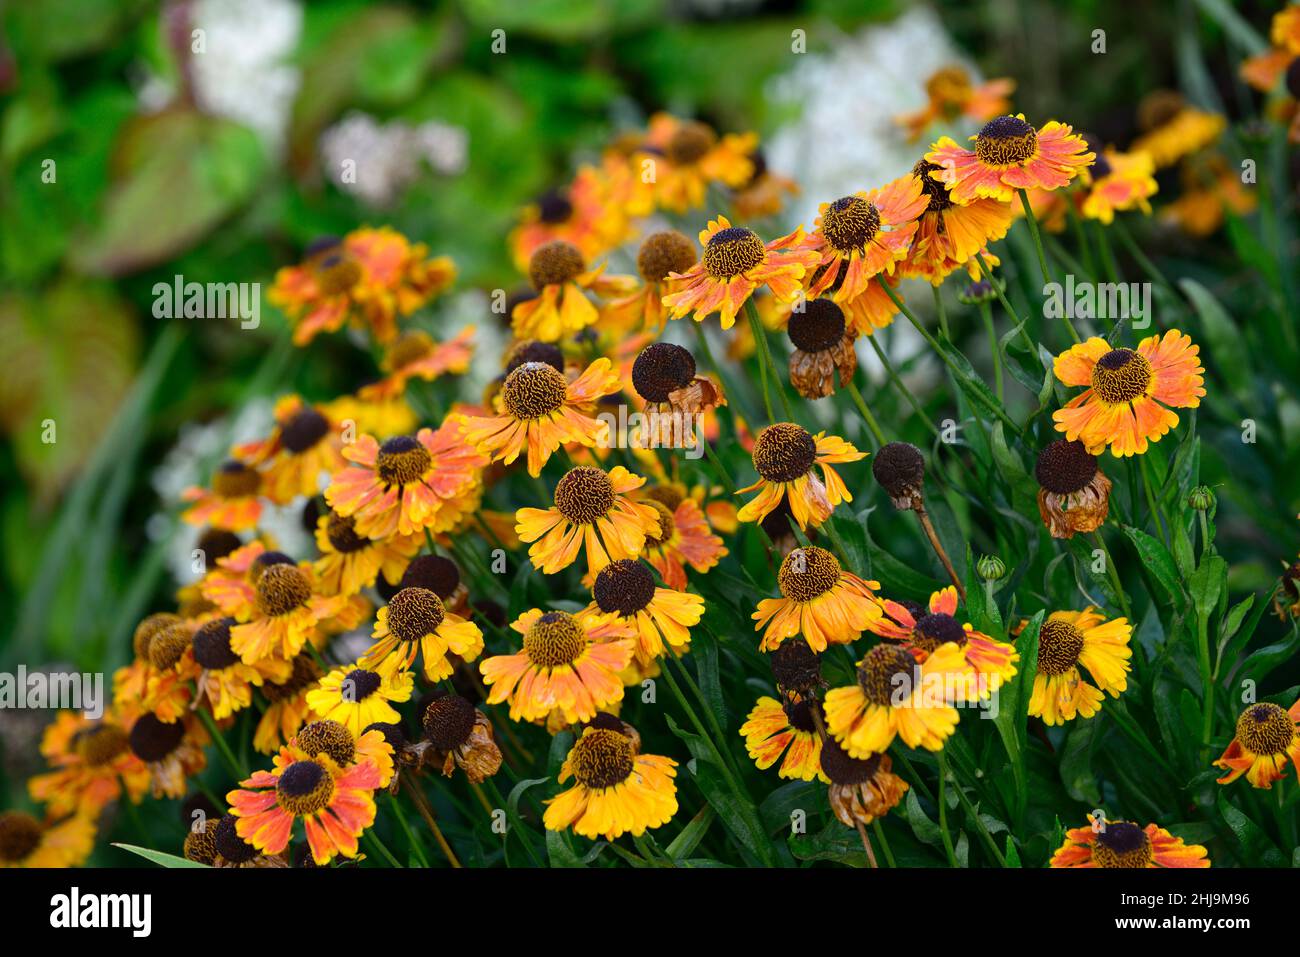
(602, 758)
(1121, 844)
(625, 586)
(1006, 141)
(554, 264)
(448, 721)
(1065, 467)
(534, 390)
(235, 480)
(328, 737)
(935, 190)
(152, 740)
(844, 770)
(661, 369)
(169, 645)
(818, 327)
(212, 644)
(899, 468)
(304, 430)
(434, 572)
(877, 673)
(100, 744)
(732, 251)
(402, 460)
(20, 834)
(149, 628)
(264, 561)
(808, 573)
(795, 666)
(281, 589)
(1059, 645)
(201, 845)
(667, 524)
(1120, 376)
(229, 844)
(584, 494)
(849, 223)
(554, 639)
(1265, 728)
(665, 252)
(784, 452)
(415, 612)
(304, 787)
(360, 683)
(394, 734)
(933, 630)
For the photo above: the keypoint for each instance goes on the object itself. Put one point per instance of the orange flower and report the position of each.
(93, 766)
(233, 502)
(617, 790)
(949, 236)
(587, 214)
(350, 562)
(775, 728)
(1264, 70)
(415, 355)
(785, 456)
(558, 271)
(591, 509)
(952, 96)
(1124, 844)
(370, 277)
(735, 264)
(569, 664)
(1009, 155)
(304, 444)
(683, 538)
(688, 156)
(661, 255)
(1118, 182)
(819, 600)
(541, 409)
(288, 612)
(624, 593)
(415, 622)
(860, 236)
(410, 483)
(1266, 737)
(225, 684)
(1127, 403)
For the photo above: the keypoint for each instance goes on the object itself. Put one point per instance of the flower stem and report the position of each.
(898, 384)
(994, 351)
(426, 812)
(987, 272)
(227, 755)
(943, 810)
(928, 527)
(412, 841)
(941, 311)
(867, 417)
(760, 340)
(862, 830)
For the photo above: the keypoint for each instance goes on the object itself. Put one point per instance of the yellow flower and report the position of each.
(1067, 640)
(617, 790)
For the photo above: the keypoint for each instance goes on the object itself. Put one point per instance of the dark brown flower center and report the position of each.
(147, 629)
(235, 480)
(602, 758)
(534, 390)
(402, 460)
(795, 666)
(733, 250)
(584, 494)
(844, 770)
(784, 452)
(935, 190)
(667, 525)
(100, 744)
(415, 612)
(1006, 141)
(933, 630)
(818, 327)
(1265, 728)
(201, 846)
(152, 740)
(530, 350)
(337, 272)
(434, 572)
(850, 223)
(341, 530)
(899, 467)
(212, 644)
(1121, 844)
(690, 142)
(282, 589)
(665, 252)
(624, 586)
(808, 573)
(1059, 645)
(359, 684)
(661, 369)
(304, 788)
(229, 844)
(1120, 376)
(884, 672)
(328, 737)
(306, 428)
(169, 645)
(1065, 467)
(554, 264)
(449, 721)
(20, 834)
(554, 639)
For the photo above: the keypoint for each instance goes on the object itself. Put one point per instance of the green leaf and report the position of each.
(691, 835)
(1157, 560)
(158, 857)
(1256, 847)
(1224, 344)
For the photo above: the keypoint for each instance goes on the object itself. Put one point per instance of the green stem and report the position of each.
(760, 346)
(996, 353)
(867, 417)
(372, 838)
(1113, 574)
(943, 810)
(764, 347)
(884, 842)
(412, 841)
(987, 273)
(227, 755)
(898, 384)
(941, 311)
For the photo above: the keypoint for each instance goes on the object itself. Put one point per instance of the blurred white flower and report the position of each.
(376, 161)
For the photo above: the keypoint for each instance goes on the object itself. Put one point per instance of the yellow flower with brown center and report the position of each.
(358, 697)
(1131, 393)
(416, 622)
(1068, 640)
(558, 271)
(616, 791)
(541, 410)
(625, 593)
(819, 600)
(1124, 844)
(225, 684)
(1117, 182)
(172, 751)
(288, 612)
(304, 445)
(785, 457)
(592, 511)
(952, 94)
(28, 842)
(93, 766)
(682, 537)
(1009, 155)
(949, 236)
(688, 156)
(1266, 737)
(735, 264)
(1073, 494)
(895, 696)
(569, 664)
(1173, 129)
(350, 562)
(233, 503)
(775, 728)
